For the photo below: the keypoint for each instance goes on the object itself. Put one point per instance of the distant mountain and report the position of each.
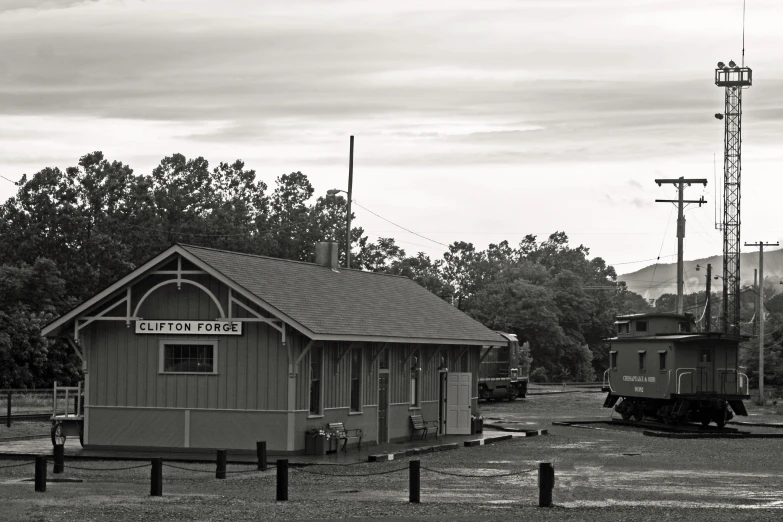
(653, 281)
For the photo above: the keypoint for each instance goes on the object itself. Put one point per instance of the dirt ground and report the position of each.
(602, 473)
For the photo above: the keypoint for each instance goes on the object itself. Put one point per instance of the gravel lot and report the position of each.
(601, 474)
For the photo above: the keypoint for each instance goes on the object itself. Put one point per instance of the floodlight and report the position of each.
(721, 65)
(732, 64)
(718, 116)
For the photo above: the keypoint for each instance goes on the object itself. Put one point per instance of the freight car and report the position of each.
(661, 367)
(503, 372)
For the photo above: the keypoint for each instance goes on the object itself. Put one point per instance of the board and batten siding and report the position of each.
(123, 367)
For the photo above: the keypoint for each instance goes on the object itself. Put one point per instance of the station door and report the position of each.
(458, 403)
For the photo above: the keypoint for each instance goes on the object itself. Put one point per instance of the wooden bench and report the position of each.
(419, 424)
(338, 430)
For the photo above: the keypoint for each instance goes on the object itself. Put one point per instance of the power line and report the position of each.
(7, 179)
(399, 226)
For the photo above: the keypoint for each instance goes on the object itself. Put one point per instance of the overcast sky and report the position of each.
(474, 120)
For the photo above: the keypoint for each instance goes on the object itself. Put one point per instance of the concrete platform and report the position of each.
(28, 449)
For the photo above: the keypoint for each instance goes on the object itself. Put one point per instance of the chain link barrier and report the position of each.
(184, 468)
(450, 474)
(17, 465)
(311, 472)
(68, 465)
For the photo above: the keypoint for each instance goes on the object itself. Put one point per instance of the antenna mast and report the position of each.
(733, 79)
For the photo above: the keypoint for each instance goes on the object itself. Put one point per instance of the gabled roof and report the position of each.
(324, 304)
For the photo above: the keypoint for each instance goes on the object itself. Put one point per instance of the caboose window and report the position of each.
(641, 326)
(642, 360)
(613, 360)
(662, 360)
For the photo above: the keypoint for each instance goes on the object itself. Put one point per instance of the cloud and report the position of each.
(35, 5)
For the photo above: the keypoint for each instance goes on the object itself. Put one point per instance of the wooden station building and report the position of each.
(203, 348)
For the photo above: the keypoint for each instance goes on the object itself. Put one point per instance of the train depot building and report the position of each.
(201, 348)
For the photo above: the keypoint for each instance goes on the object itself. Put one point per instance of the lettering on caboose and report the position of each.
(638, 378)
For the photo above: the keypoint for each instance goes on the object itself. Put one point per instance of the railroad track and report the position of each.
(650, 425)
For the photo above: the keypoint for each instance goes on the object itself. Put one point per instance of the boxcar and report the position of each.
(660, 366)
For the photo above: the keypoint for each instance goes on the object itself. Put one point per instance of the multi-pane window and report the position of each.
(188, 357)
(315, 380)
(356, 379)
(613, 360)
(662, 360)
(642, 360)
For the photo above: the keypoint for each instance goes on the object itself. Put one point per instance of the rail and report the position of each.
(678, 376)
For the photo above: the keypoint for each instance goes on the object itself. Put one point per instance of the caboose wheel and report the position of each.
(721, 418)
(626, 416)
(705, 421)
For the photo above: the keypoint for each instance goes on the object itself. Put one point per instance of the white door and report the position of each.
(458, 404)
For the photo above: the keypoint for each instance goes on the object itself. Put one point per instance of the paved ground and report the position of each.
(601, 474)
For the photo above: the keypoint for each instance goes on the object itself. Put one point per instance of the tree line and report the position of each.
(67, 234)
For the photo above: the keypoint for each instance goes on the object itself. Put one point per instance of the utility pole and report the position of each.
(755, 303)
(680, 182)
(350, 197)
(708, 311)
(760, 313)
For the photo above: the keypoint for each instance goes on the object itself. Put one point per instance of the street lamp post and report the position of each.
(333, 192)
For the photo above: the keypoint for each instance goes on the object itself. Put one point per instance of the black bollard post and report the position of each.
(156, 478)
(415, 481)
(40, 473)
(261, 454)
(8, 412)
(220, 471)
(282, 479)
(59, 458)
(546, 482)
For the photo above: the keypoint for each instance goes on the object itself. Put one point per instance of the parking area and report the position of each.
(602, 473)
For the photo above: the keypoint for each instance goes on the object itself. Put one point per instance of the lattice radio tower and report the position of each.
(733, 79)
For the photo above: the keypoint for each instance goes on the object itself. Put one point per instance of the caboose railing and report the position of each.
(679, 376)
(606, 383)
(741, 385)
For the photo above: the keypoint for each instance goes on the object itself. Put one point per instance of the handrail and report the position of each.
(747, 383)
(723, 372)
(679, 378)
(607, 382)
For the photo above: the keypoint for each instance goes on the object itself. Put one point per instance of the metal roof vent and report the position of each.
(326, 255)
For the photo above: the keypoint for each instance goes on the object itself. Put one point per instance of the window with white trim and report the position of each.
(188, 356)
(315, 380)
(415, 391)
(356, 379)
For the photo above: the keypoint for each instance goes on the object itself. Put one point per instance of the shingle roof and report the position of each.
(346, 302)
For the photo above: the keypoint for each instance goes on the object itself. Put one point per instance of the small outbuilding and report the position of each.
(202, 348)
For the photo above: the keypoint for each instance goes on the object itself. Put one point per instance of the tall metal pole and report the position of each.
(760, 313)
(708, 311)
(680, 182)
(756, 303)
(348, 218)
(733, 79)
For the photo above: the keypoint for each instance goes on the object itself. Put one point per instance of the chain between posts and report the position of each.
(125, 468)
(310, 472)
(17, 465)
(479, 476)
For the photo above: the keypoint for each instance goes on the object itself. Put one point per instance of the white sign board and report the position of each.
(189, 327)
